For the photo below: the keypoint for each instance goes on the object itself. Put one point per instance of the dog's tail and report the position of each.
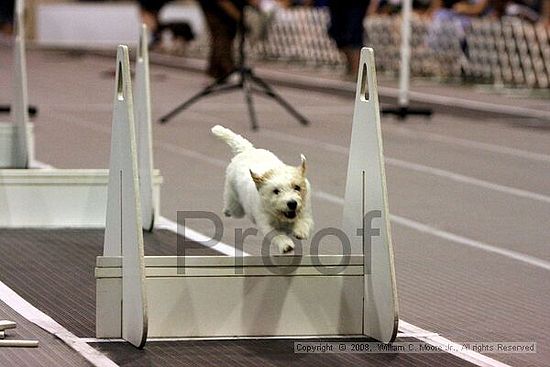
(237, 143)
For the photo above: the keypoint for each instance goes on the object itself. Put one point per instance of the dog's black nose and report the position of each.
(292, 204)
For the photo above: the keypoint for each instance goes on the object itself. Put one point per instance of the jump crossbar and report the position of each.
(75, 198)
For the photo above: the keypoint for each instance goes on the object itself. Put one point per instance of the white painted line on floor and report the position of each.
(493, 148)
(165, 223)
(39, 318)
(457, 350)
(173, 148)
(415, 167)
(421, 227)
(468, 180)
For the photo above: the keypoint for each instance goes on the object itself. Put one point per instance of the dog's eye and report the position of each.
(297, 188)
(276, 191)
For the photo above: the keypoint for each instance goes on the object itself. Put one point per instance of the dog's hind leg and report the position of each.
(232, 206)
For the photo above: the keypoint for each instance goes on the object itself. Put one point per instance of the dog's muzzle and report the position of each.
(290, 214)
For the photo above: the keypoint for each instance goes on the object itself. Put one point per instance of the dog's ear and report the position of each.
(259, 180)
(302, 167)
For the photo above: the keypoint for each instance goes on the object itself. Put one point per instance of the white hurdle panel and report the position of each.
(144, 135)
(76, 198)
(222, 296)
(123, 229)
(16, 139)
(366, 196)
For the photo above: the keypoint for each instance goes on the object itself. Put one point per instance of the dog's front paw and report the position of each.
(284, 244)
(301, 232)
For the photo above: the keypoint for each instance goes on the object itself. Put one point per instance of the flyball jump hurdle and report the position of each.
(41, 198)
(16, 139)
(208, 296)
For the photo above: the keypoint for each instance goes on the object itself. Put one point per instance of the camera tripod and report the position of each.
(247, 81)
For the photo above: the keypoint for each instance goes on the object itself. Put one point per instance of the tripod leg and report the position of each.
(271, 93)
(217, 85)
(250, 104)
(184, 105)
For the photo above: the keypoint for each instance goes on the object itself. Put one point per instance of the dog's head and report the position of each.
(283, 190)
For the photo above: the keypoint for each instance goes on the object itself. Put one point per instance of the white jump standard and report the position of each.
(63, 198)
(16, 139)
(207, 296)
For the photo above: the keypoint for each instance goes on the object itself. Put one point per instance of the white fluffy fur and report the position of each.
(261, 186)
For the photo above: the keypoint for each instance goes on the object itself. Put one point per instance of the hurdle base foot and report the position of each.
(7, 109)
(404, 111)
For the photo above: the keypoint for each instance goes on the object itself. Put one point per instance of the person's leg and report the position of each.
(341, 31)
(6, 16)
(354, 34)
(335, 27)
(226, 56)
(149, 12)
(149, 18)
(211, 22)
(222, 35)
(337, 22)
(353, 56)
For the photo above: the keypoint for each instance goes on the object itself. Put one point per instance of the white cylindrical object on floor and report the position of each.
(19, 343)
(7, 324)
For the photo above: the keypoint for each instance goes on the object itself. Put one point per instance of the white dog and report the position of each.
(276, 197)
